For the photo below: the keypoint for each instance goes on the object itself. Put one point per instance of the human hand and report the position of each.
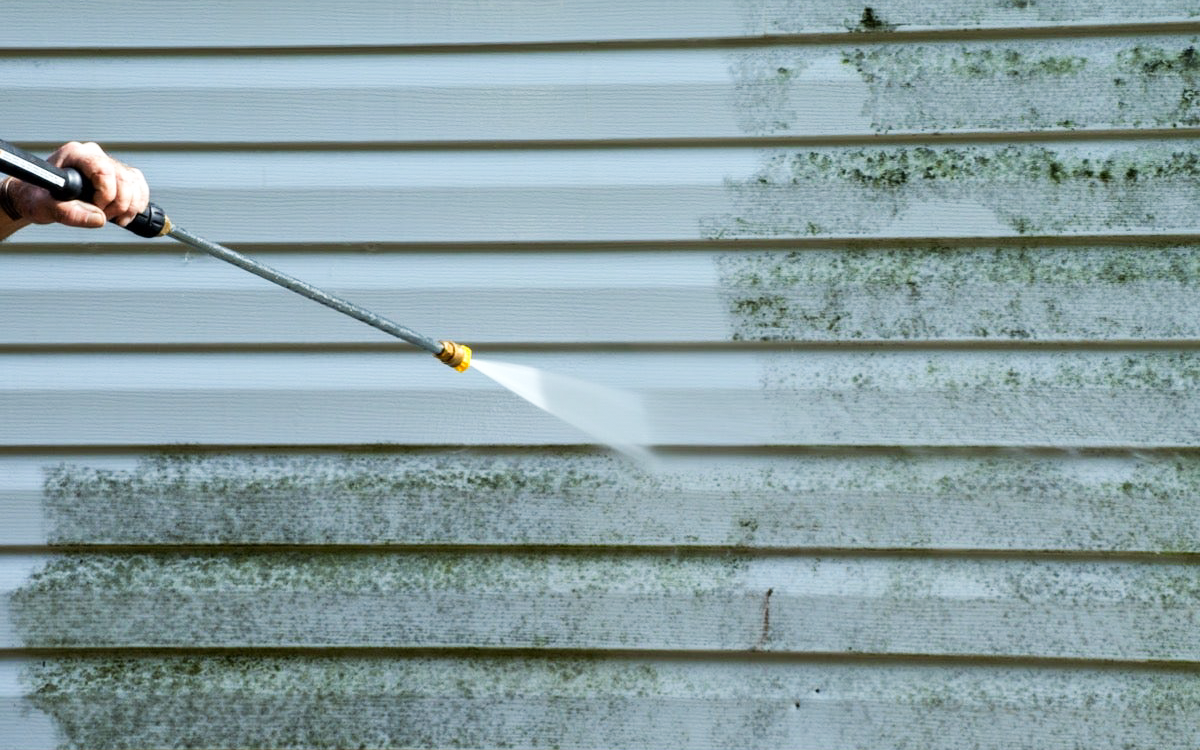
(121, 192)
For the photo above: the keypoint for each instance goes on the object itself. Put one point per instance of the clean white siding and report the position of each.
(909, 292)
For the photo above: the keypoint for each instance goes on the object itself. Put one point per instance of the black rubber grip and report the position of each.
(66, 184)
(149, 223)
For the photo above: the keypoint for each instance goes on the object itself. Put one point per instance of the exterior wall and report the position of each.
(909, 291)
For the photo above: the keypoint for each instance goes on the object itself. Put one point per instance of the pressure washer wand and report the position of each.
(457, 356)
(68, 184)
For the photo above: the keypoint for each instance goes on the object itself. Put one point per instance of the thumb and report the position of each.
(79, 214)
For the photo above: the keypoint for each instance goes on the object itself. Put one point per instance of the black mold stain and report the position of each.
(871, 22)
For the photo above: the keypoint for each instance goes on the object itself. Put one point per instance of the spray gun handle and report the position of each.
(66, 184)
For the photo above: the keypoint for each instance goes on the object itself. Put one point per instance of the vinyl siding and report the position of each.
(908, 291)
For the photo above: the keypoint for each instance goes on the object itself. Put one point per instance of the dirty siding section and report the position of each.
(908, 289)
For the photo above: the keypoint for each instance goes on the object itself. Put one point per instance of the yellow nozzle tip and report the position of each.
(457, 356)
(466, 362)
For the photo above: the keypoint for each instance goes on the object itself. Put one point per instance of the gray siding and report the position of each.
(909, 292)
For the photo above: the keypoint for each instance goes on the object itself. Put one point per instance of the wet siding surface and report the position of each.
(908, 290)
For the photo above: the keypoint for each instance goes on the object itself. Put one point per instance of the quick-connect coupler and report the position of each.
(457, 356)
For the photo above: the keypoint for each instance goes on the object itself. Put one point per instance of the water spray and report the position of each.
(65, 184)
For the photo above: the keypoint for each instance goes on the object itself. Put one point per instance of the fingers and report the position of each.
(133, 194)
(38, 206)
(78, 214)
(121, 192)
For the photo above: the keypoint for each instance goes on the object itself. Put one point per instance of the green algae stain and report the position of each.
(1040, 86)
(354, 599)
(1151, 61)
(360, 572)
(217, 701)
(403, 496)
(939, 293)
(968, 64)
(1029, 189)
(922, 88)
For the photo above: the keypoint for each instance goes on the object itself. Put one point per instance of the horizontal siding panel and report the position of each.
(1019, 502)
(813, 90)
(486, 701)
(929, 294)
(795, 604)
(950, 398)
(679, 194)
(274, 23)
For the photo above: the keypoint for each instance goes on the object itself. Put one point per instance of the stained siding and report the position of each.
(732, 91)
(273, 23)
(1102, 188)
(908, 291)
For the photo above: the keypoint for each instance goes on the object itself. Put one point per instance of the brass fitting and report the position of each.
(457, 356)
